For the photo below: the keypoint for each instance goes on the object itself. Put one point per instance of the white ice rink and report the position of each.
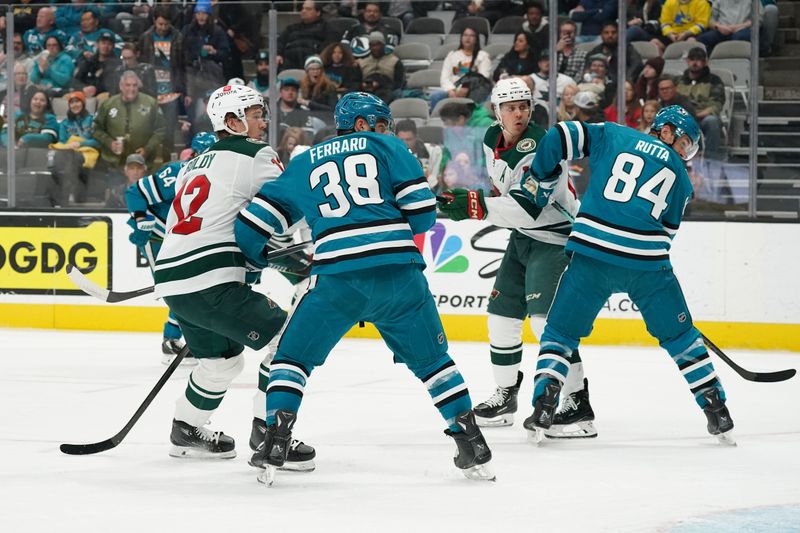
(383, 464)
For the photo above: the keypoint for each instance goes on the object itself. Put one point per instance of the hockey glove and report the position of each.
(252, 274)
(460, 204)
(536, 190)
(142, 230)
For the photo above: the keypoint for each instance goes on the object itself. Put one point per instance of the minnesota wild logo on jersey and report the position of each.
(506, 164)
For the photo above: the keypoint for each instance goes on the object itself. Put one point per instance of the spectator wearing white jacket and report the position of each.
(467, 58)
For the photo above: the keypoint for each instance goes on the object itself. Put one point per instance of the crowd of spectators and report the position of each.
(133, 78)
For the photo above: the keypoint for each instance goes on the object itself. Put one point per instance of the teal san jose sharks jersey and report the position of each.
(637, 192)
(363, 195)
(153, 194)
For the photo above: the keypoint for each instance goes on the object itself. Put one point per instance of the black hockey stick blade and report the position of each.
(93, 289)
(760, 377)
(97, 447)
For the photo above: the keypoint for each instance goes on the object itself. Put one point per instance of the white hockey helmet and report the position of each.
(234, 99)
(510, 90)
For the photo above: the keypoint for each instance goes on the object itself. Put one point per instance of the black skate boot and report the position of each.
(574, 418)
(472, 453)
(300, 457)
(499, 409)
(273, 454)
(544, 411)
(720, 423)
(170, 348)
(199, 442)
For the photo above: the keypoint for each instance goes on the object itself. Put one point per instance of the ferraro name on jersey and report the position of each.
(636, 196)
(153, 194)
(199, 249)
(364, 196)
(511, 209)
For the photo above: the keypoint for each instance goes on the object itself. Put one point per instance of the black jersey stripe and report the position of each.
(690, 362)
(409, 183)
(252, 225)
(647, 232)
(453, 397)
(360, 225)
(611, 251)
(278, 207)
(419, 210)
(446, 365)
(563, 138)
(714, 383)
(367, 253)
(295, 364)
(586, 147)
(281, 388)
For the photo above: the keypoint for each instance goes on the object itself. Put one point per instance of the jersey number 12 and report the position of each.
(626, 170)
(196, 190)
(361, 180)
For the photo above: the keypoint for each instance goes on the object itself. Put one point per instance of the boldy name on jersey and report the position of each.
(202, 161)
(338, 146)
(652, 149)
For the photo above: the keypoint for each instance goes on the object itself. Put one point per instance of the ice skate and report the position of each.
(543, 412)
(199, 442)
(499, 409)
(473, 455)
(720, 423)
(170, 348)
(574, 419)
(276, 447)
(300, 457)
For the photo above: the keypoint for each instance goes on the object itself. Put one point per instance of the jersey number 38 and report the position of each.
(360, 185)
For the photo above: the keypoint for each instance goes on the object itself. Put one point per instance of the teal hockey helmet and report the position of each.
(202, 141)
(364, 105)
(684, 124)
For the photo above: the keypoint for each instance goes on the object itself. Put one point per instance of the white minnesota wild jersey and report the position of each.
(511, 209)
(199, 249)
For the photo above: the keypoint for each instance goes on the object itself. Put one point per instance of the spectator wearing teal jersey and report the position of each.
(35, 126)
(53, 70)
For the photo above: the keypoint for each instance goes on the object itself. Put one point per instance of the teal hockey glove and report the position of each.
(538, 191)
(460, 204)
(142, 230)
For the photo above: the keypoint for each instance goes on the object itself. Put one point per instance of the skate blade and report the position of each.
(578, 430)
(482, 472)
(497, 421)
(535, 436)
(290, 466)
(726, 438)
(186, 452)
(267, 476)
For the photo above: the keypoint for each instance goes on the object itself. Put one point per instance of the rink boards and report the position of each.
(740, 279)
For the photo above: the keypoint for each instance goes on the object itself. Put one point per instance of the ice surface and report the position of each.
(383, 463)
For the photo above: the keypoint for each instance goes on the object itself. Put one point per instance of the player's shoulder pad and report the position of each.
(491, 136)
(240, 145)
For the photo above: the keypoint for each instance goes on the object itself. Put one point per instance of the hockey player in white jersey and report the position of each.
(202, 274)
(533, 262)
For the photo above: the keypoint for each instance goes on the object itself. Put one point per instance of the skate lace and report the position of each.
(208, 435)
(295, 444)
(568, 405)
(498, 398)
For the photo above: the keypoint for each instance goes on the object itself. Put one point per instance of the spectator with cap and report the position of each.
(305, 38)
(382, 74)
(290, 112)
(76, 151)
(682, 19)
(592, 14)
(341, 68)
(145, 71)
(317, 92)
(429, 155)
(96, 74)
(588, 108)
(371, 21)
(261, 82)
(45, 27)
(570, 60)
(647, 83)
(134, 170)
(706, 92)
(127, 123)
(84, 42)
(206, 48)
(540, 81)
(731, 20)
(53, 69)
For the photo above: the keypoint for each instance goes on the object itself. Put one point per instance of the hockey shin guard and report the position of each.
(447, 389)
(287, 381)
(689, 353)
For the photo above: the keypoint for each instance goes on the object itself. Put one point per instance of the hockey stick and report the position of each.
(749, 375)
(97, 447)
(93, 289)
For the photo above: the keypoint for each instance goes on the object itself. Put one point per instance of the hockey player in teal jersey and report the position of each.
(148, 202)
(620, 242)
(364, 196)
